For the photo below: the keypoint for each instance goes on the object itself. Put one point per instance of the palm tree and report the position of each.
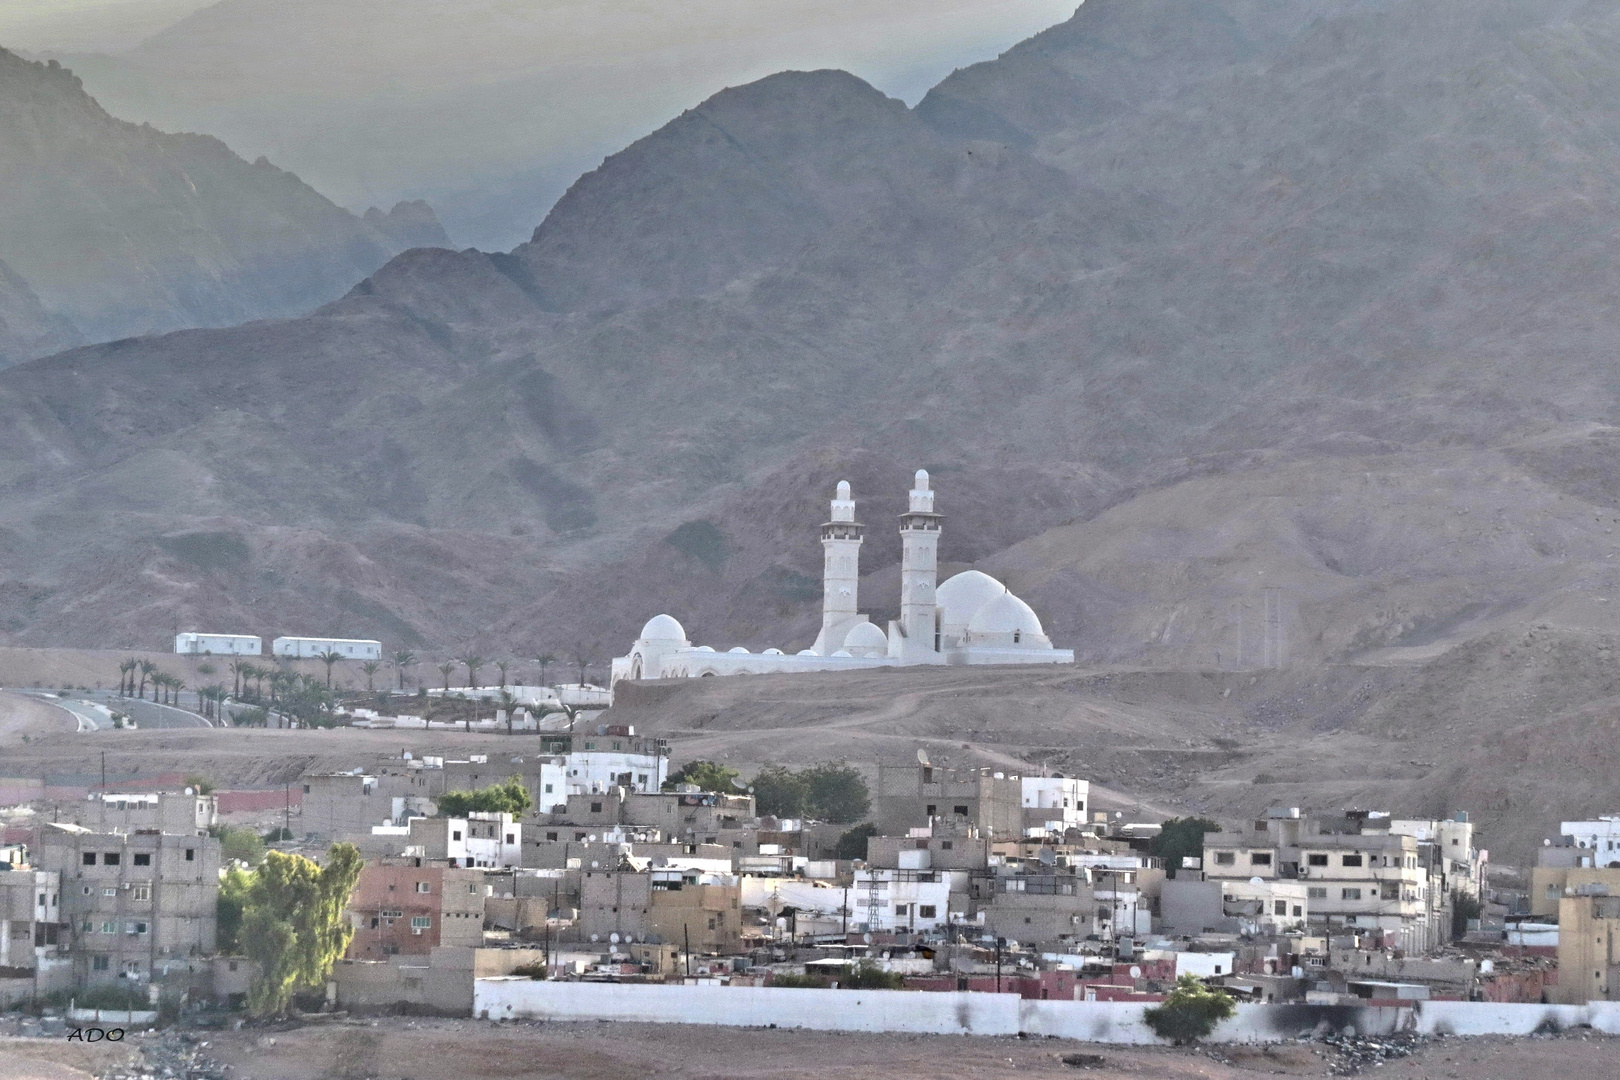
(370, 667)
(176, 684)
(329, 657)
(501, 666)
(584, 658)
(239, 670)
(404, 660)
(472, 662)
(509, 703)
(447, 669)
(126, 675)
(147, 670)
(545, 660)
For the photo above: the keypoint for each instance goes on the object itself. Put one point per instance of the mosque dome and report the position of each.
(738, 649)
(962, 596)
(704, 648)
(771, 652)
(866, 639)
(663, 628)
(1006, 615)
(806, 652)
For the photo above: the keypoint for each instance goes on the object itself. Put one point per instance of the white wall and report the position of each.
(511, 998)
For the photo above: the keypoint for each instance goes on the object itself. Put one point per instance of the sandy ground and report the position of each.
(58, 1059)
(403, 1049)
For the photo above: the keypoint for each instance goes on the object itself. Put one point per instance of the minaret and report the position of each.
(919, 568)
(840, 570)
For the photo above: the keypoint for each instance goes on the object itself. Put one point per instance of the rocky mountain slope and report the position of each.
(1181, 301)
(118, 229)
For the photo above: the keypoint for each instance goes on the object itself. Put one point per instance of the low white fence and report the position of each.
(927, 1013)
(113, 1016)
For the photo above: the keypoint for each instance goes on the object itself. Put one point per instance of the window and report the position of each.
(1350, 860)
(510, 839)
(711, 923)
(1298, 911)
(900, 910)
(455, 834)
(109, 927)
(191, 854)
(424, 886)
(1390, 890)
(548, 789)
(421, 922)
(111, 858)
(1349, 894)
(1225, 858)
(143, 858)
(1279, 907)
(306, 789)
(109, 891)
(926, 911)
(932, 809)
(1316, 859)
(1259, 858)
(89, 858)
(596, 808)
(141, 892)
(1316, 892)
(961, 811)
(135, 928)
(473, 889)
(946, 845)
(98, 963)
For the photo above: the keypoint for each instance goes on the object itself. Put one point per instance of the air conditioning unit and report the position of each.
(416, 930)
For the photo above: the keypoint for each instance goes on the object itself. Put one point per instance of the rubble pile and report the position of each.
(1351, 1053)
(171, 1055)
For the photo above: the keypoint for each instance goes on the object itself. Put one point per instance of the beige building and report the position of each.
(174, 812)
(439, 983)
(131, 902)
(30, 931)
(1588, 953)
(669, 906)
(917, 796)
(1550, 884)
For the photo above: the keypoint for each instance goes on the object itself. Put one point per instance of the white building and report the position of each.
(194, 644)
(970, 619)
(485, 841)
(311, 648)
(899, 900)
(1600, 840)
(1055, 803)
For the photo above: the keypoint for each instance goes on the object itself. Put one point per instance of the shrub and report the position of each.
(852, 845)
(707, 775)
(1178, 837)
(1190, 1012)
(507, 797)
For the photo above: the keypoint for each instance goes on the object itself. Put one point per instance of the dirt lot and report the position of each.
(402, 1049)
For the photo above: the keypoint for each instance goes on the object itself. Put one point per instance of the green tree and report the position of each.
(403, 661)
(126, 676)
(200, 784)
(292, 925)
(1190, 1012)
(852, 845)
(780, 792)
(1463, 907)
(147, 670)
(329, 658)
(1180, 837)
(707, 775)
(501, 666)
(447, 669)
(371, 667)
(472, 662)
(836, 793)
(507, 797)
(241, 845)
(545, 660)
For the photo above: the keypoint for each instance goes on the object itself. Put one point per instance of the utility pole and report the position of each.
(1000, 941)
(686, 938)
(104, 772)
(286, 810)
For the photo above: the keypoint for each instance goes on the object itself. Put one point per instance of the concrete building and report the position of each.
(970, 619)
(1598, 842)
(349, 805)
(909, 901)
(30, 931)
(195, 644)
(178, 813)
(130, 902)
(929, 850)
(610, 755)
(1053, 911)
(1550, 884)
(1272, 907)
(483, 841)
(439, 983)
(409, 906)
(1054, 804)
(311, 648)
(662, 906)
(917, 796)
(1588, 952)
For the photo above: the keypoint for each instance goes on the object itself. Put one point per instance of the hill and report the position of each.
(117, 229)
(1182, 301)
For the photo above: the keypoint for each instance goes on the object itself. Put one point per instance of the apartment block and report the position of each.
(175, 812)
(484, 841)
(411, 906)
(916, 796)
(132, 901)
(1588, 954)
(662, 906)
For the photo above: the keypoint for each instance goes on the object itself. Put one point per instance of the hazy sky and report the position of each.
(486, 108)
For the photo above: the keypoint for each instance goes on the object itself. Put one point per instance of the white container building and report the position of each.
(311, 648)
(195, 644)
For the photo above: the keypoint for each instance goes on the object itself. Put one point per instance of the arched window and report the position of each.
(1017, 635)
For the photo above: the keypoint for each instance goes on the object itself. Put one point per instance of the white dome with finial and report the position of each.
(663, 628)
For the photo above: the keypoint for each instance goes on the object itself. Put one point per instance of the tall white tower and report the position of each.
(840, 572)
(919, 570)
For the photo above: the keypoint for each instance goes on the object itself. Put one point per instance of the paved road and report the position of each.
(151, 714)
(90, 717)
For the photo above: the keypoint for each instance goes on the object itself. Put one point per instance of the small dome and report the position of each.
(963, 595)
(771, 652)
(866, 640)
(704, 648)
(843, 491)
(841, 652)
(1006, 614)
(806, 652)
(737, 649)
(663, 628)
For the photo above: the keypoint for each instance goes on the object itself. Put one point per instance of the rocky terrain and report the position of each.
(111, 229)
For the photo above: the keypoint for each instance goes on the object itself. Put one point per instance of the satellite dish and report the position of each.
(614, 938)
(737, 783)
(1136, 972)
(1257, 881)
(922, 756)
(867, 938)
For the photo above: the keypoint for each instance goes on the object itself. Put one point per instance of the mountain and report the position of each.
(490, 109)
(119, 229)
(1235, 332)
(26, 328)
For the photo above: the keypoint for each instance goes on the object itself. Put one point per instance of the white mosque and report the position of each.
(970, 619)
